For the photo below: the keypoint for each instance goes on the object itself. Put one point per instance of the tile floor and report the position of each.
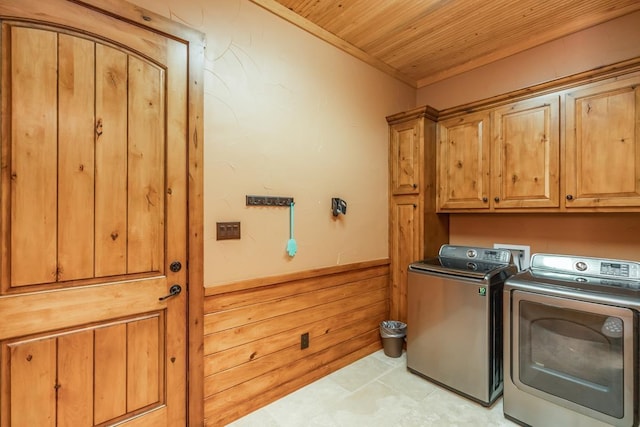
(376, 391)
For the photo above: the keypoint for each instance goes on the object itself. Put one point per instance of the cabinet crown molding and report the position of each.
(425, 111)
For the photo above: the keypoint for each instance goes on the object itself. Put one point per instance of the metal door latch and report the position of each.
(173, 291)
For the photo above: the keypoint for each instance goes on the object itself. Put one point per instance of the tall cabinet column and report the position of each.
(416, 231)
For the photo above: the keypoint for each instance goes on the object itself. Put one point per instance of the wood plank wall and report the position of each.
(253, 331)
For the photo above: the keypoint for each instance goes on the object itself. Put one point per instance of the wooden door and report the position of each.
(93, 213)
(526, 154)
(405, 248)
(405, 156)
(603, 145)
(463, 162)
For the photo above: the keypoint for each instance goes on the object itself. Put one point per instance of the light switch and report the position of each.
(227, 230)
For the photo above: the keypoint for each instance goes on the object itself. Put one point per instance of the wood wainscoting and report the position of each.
(253, 332)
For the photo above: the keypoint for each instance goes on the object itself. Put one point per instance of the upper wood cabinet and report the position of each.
(526, 154)
(562, 146)
(505, 158)
(405, 153)
(463, 162)
(603, 145)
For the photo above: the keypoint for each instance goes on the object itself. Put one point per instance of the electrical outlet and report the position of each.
(521, 254)
(304, 341)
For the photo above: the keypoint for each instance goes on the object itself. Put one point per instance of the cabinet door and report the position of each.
(525, 154)
(405, 248)
(406, 141)
(603, 145)
(463, 162)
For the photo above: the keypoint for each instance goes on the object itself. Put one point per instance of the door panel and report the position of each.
(405, 157)
(94, 188)
(594, 115)
(405, 249)
(33, 80)
(33, 376)
(110, 374)
(121, 362)
(603, 145)
(145, 234)
(526, 154)
(463, 162)
(143, 370)
(69, 161)
(75, 371)
(76, 88)
(111, 154)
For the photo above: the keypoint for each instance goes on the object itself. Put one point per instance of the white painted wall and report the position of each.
(287, 114)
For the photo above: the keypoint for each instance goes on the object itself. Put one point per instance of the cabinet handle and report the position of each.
(497, 199)
(415, 206)
(415, 185)
(484, 199)
(569, 197)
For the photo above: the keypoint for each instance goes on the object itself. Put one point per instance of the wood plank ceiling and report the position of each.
(424, 41)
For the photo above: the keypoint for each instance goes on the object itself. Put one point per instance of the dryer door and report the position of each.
(576, 354)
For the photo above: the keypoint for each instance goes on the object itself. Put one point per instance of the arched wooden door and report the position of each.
(93, 216)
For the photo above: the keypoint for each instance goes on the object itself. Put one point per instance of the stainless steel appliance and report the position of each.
(571, 342)
(454, 324)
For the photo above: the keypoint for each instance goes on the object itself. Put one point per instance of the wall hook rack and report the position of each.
(269, 201)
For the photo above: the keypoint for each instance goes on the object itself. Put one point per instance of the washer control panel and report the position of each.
(499, 256)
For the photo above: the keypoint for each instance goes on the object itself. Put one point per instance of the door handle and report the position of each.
(173, 291)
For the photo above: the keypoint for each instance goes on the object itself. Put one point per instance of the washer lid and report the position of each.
(462, 267)
(468, 261)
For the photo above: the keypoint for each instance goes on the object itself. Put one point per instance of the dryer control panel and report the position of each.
(586, 266)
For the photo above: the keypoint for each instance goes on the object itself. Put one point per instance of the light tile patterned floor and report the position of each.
(376, 391)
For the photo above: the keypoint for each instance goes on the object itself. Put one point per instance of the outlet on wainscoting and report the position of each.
(304, 341)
